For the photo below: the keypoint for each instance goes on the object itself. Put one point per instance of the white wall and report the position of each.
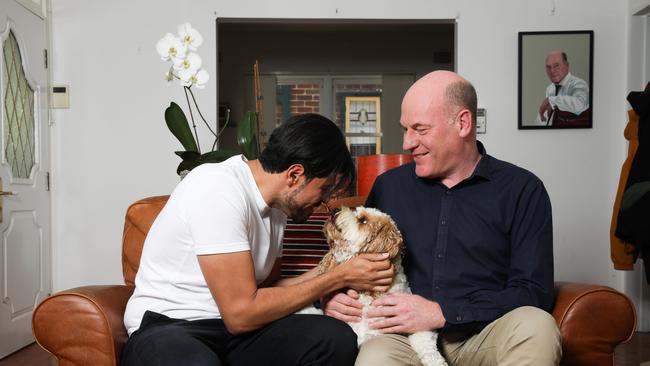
(112, 147)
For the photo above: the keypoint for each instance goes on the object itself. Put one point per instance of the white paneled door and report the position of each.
(24, 163)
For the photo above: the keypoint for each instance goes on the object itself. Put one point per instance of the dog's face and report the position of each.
(363, 230)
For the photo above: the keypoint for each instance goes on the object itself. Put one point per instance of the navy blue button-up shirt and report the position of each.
(481, 248)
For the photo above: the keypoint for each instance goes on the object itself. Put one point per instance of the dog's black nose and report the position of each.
(335, 211)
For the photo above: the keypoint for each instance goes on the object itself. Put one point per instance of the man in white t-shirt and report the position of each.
(208, 290)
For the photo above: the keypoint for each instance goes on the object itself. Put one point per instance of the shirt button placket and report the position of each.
(441, 241)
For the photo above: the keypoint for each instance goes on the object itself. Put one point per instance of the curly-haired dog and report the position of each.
(367, 230)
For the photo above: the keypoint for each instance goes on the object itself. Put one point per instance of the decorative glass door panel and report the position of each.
(363, 125)
(19, 139)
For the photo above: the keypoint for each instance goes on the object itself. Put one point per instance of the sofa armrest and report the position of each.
(593, 320)
(84, 325)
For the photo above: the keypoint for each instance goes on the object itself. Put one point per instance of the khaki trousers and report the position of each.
(524, 336)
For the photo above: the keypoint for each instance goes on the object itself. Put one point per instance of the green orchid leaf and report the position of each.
(247, 135)
(187, 165)
(177, 124)
(192, 159)
(188, 155)
(633, 194)
(217, 156)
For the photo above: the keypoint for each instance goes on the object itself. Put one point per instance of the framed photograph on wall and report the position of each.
(555, 79)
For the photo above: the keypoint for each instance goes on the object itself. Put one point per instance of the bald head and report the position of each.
(438, 119)
(443, 88)
(557, 54)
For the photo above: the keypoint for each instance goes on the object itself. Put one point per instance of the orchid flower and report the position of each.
(191, 62)
(190, 37)
(171, 48)
(197, 78)
(186, 67)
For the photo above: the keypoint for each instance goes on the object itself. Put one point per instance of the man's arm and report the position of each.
(576, 99)
(544, 111)
(275, 279)
(245, 307)
(545, 108)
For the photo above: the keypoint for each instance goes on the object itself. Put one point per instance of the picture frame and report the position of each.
(555, 83)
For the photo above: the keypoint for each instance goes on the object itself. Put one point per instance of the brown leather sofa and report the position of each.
(83, 326)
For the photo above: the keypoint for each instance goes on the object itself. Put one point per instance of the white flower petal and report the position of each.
(193, 77)
(191, 62)
(190, 36)
(162, 47)
(186, 75)
(195, 60)
(170, 47)
(201, 78)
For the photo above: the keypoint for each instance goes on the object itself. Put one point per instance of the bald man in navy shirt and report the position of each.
(479, 243)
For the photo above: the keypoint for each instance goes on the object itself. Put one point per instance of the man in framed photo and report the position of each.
(566, 97)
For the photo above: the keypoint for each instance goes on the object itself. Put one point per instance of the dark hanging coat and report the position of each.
(634, 216)
(624, 254)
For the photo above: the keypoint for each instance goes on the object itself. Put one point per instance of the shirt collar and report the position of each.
(483, 167)
(566, 78)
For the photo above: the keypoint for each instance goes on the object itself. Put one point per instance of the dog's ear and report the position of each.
(327, 263)
(332, 234)
(384, 237)
(393, 240)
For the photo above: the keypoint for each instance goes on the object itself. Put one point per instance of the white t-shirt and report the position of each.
(217, 208)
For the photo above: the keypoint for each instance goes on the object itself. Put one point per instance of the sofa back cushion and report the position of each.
(304, 244)
(138, 220)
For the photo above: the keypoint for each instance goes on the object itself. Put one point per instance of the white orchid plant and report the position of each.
(186, 68)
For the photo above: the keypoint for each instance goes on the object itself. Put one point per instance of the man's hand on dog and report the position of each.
(368, 271)
(405, 313)
(344, 306)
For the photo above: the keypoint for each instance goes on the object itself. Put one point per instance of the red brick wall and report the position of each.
(305, 98)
